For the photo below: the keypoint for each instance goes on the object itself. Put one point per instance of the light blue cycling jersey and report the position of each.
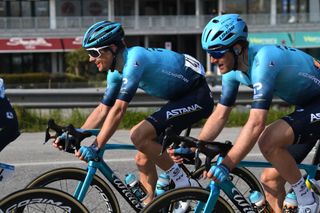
(159, 72)
(2, 92)
(288, 73)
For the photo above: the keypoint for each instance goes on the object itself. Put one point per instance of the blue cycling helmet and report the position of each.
(222, 32)
(102, 34)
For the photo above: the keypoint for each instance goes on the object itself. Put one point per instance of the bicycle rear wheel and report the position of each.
(99, 197)
(41, 200)
(185, 200)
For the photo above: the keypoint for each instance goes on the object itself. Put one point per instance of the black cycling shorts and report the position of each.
(185, 111)
(305, 122)
(9, 130)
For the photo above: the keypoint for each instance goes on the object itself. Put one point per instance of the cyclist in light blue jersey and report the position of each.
(9, 129)
(177, 78)
(288, 73)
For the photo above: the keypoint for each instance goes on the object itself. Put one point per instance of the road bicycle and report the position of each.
(201, 200)
(38, 199)
(97, 194)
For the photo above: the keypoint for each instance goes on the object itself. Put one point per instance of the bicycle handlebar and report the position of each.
(70, 144)
(209, 149)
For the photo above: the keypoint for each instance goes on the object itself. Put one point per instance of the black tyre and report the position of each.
(184, 200)
(241, 177)
(99, 197)
(41, 200)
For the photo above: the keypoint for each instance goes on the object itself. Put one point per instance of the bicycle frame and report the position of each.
(109, 174)
(235, 195)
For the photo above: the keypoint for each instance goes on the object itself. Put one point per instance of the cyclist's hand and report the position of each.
(175, 158)
(88, 153)
(178, 154)
(218, 173)
(204, 174)
(60, 141)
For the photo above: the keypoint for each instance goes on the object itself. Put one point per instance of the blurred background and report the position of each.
(40, 39)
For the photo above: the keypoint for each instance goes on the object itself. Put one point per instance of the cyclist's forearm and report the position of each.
(215, 123)
(111, 123)
(244, 143)
(97, 117)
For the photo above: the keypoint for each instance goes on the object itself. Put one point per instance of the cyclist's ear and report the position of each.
(237, 50)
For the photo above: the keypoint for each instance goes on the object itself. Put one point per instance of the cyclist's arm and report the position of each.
(111, 122)
(247, 138)
(215, 123)
(99, 114)
(97, 117)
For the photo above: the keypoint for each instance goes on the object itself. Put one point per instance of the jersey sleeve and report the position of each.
(264, 72)
(114, 81)
(230, 87)
(132, 72)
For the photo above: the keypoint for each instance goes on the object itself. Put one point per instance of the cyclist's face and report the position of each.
(104, 61)
(225, 63)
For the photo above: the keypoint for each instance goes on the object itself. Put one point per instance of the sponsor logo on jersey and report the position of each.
(136, 64)
(256, 88)
(9, 115)
(184, 110)
(316, 63)
(123, 89)
(314, 117)
(178, 76)
(271, 64)
(311, 77)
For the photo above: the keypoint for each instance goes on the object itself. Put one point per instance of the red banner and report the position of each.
(70, 44)
(39, 44)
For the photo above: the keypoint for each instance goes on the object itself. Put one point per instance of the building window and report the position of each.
(3, 10)
(124, 7)
(25, 62)
(42, 8)
(95, 8)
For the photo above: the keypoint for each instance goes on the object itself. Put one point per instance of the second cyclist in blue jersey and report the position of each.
(177, 78)
(286, 72)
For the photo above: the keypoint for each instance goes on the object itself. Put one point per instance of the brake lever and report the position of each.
(197, 160)
(208, 163)
(164, 141)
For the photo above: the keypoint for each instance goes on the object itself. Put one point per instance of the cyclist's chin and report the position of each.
(224, 70)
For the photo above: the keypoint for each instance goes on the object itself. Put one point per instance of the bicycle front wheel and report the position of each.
(241, 177)
(99, 197)
(41, 200)
(185, 200)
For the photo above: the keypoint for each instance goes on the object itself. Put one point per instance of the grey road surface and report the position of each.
(31, 158)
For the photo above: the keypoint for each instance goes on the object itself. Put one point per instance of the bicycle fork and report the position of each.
(83, 186)
(212, 200)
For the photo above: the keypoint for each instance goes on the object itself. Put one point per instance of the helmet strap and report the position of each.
(114, 60)
(120, 46)
(235, 57)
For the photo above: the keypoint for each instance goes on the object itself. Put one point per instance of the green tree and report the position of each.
(77, 62)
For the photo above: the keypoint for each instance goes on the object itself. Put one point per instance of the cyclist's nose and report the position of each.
(91, 58)
(213, 60)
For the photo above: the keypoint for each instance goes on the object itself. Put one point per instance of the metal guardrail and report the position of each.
(90, 97)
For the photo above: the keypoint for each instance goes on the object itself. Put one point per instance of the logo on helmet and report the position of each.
(225, 33)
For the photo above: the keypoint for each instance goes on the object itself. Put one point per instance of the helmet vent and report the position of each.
(245, 29)
(228, 36)
(208, 35)
(215, 21)
(217, 35)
